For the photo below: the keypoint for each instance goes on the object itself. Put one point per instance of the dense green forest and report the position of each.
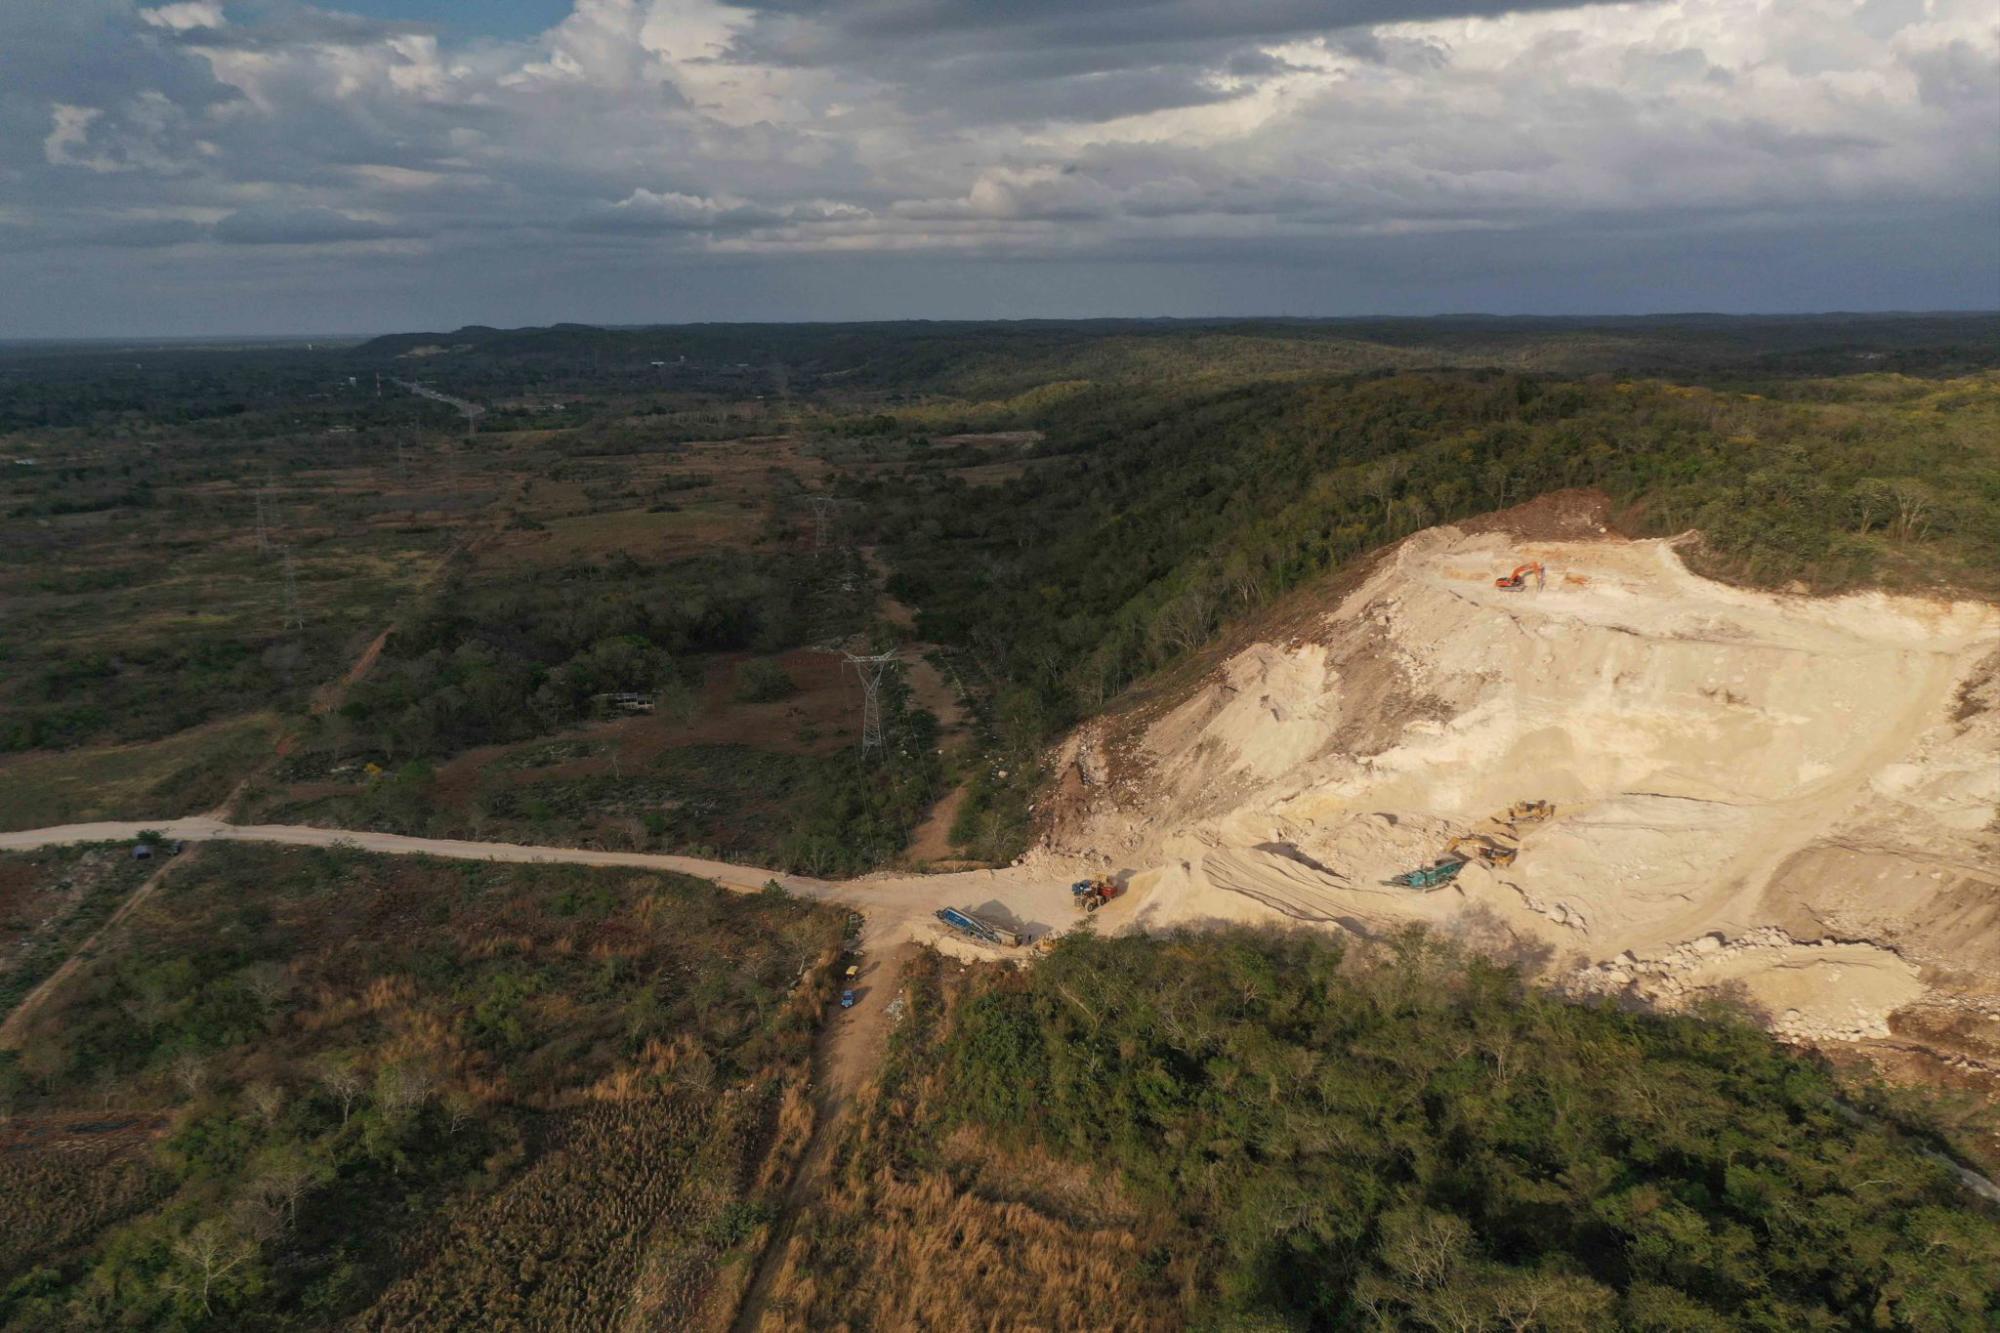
(1146, 521)
(1407, 1137)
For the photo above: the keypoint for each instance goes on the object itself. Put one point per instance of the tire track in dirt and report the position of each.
(15, 1026)
(850, 1050)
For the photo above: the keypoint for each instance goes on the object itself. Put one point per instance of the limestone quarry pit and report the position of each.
(1787, 799)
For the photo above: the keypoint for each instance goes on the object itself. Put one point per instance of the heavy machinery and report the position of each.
(1522, 573)
(1430, 877)
(1091, 894)
(1485, 846)
(1500, 847)
(979, 928)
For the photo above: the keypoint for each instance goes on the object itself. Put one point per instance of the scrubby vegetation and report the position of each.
(1301, 1136)
(1150, 484)
(504, 659)
(836, 814)
(50, 902)
(1152, 519)
(183, 774)
(312, 1086)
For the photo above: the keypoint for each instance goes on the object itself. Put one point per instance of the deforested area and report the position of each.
(308, 1088)
(1249, 1129)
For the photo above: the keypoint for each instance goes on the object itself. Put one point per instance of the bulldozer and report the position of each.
(1528, 812)
(1522, 573)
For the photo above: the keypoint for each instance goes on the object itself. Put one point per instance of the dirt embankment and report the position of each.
(1786, 799)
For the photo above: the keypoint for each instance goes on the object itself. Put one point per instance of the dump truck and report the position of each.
(1091, 894)
(979, 928)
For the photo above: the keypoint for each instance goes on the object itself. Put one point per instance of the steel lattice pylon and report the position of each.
(871, 670)
(823, 507)
(294, 618)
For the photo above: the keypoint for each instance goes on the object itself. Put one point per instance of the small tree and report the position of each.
(207, 1255)
(402, 1087)
(269, 982)
(1913, 501)
(343, 1084)
(460, 1108)
(680, 701)
(287, 1177)
(191, 1072)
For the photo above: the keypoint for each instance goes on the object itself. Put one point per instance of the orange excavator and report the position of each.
(1485, 846)
(1522, 573)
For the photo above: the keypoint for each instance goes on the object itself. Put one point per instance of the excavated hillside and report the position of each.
(1785, 798)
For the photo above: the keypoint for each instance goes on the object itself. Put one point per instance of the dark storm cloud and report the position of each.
(1121, 30)
(986, 59)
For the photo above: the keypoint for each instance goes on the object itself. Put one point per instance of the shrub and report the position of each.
(763, 681)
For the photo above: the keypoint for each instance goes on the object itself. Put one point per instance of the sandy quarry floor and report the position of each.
(1787, 798)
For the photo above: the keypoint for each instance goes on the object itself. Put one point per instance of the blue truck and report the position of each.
(979, 928)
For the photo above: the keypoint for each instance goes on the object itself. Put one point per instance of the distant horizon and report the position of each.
(366, 335)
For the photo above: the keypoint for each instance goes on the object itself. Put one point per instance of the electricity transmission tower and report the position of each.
(871, 670)
(822, 507)
(263, 531)
(294, 618)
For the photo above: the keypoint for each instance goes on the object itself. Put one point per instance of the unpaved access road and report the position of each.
(897, 908)
(851, 1048)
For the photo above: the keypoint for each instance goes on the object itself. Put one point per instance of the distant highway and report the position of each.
(470, 411)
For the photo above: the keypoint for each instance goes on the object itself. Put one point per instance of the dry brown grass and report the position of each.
(968, 1234)
(65, 1190)
(180, 775)
(610, 1224)
(924, 1252)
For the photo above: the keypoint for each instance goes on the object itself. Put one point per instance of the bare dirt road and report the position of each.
(851, 1048)
(897, 908)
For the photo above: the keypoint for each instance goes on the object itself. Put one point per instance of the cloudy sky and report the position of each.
(247, 166)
